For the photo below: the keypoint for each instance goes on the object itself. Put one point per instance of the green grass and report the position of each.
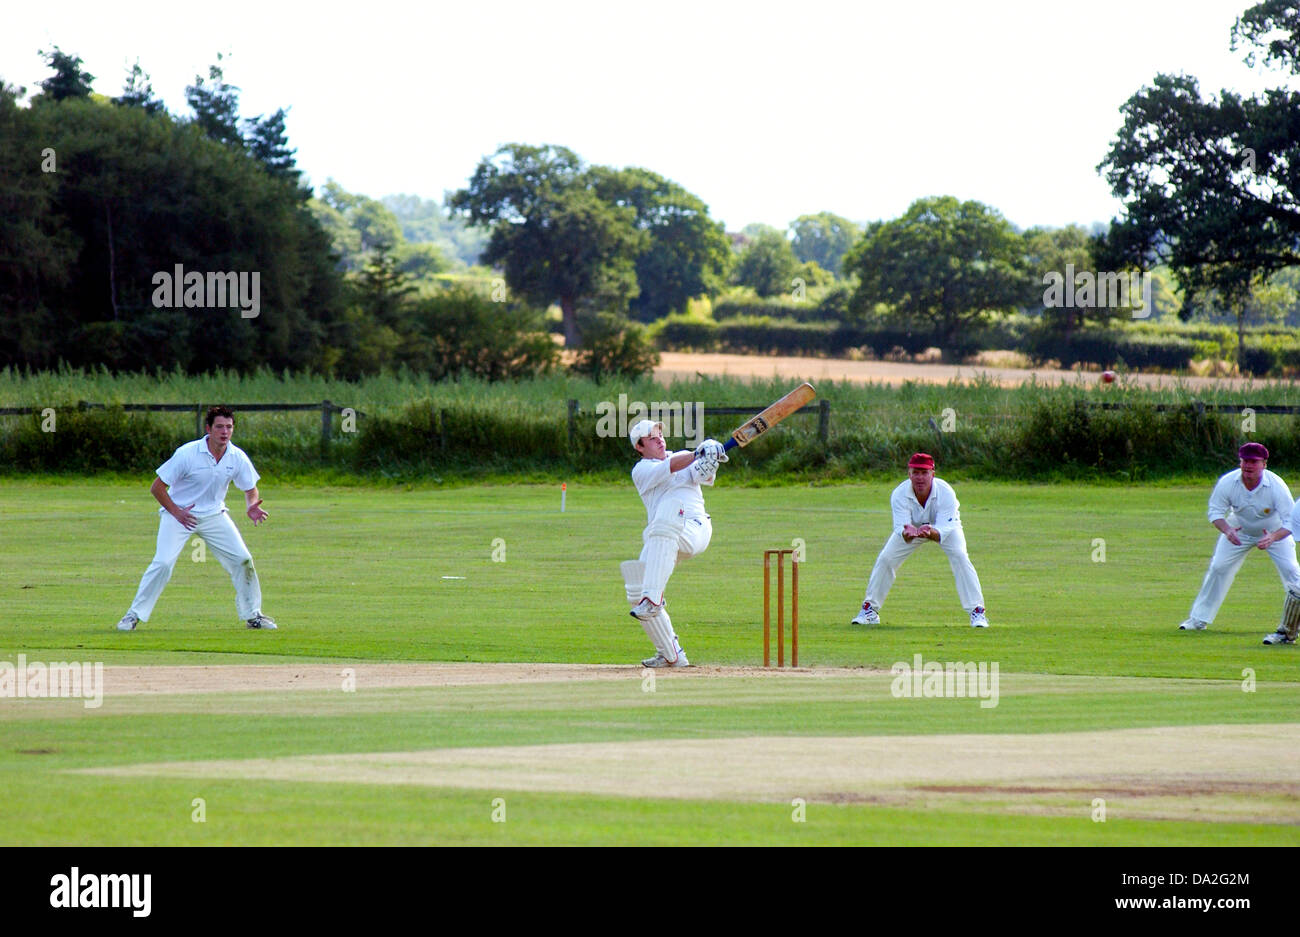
(356, 575)
(359, 573)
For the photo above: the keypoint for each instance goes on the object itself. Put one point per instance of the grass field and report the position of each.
(458, 667)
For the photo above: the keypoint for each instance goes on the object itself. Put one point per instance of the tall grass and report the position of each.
(410, 427)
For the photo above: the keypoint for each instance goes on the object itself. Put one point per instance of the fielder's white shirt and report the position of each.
(940, 510)
(666, 492)
(1256, 512)
(193, 476)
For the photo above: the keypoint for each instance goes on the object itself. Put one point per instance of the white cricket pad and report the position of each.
(659, 629)
(633, 575)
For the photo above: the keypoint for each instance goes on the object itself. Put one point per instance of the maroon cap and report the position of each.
(1253, 450)
(921, 460)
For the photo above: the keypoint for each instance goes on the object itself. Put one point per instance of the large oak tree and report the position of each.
(1211, 186)
(945, 263)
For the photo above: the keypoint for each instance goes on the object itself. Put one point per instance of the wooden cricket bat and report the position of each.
(757, 426)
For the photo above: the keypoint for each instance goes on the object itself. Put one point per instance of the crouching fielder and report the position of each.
(925, 508)
(677, 528)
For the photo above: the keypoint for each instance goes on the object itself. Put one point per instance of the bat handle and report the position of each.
(729, 444)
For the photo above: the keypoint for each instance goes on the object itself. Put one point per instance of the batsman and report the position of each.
(677, 528)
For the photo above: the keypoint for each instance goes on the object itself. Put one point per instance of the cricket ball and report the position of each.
(1108, 377)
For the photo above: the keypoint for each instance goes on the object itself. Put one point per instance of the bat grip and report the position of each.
(729, 445)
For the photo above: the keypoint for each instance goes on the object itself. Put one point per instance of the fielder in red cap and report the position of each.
(925, 509)
(1250, 507)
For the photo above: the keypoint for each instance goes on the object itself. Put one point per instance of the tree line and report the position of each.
(99, 196)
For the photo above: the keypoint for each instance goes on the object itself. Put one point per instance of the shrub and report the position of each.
(613, 347)
(90, 440)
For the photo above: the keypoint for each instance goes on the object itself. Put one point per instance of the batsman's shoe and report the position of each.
(978, 619)
(644, 610)
(1193, 624)
(1278, 637)
(128, 622)
(866, 616)
(660, 661)
(261, 622)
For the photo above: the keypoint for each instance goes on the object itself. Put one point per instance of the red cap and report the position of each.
(1253, 450)
(920, 460)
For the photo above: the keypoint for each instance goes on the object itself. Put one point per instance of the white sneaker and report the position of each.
(261, 622)
(644, 610)
(1193, 624)
(867, 616)
(128, 622)
(978, 619)
(1278, 637)
(660, 661)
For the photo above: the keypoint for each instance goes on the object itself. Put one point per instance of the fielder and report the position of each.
(677, 528)
(925, 508)
(200, 473)
(1260, 503)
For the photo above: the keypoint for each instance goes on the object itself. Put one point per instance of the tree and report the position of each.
(1211, 187)
(36, 252)
(135, 195)
(463, 332)
(823, 239)
(1065, 252)
(426, 221)
(768, 265)
(686, 253)
(944, 262)
(268, 143)
(138, 92)
(69, 81)
(216, 106)
(614, 347)
(553, 236)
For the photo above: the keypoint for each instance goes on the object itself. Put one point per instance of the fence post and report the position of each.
(326, 426)
(198, 421)
(442, 429)
(573, 424)
(824, 420)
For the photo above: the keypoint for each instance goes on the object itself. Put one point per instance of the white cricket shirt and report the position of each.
(193, 476)
(1266, 508)
(666, 492)
(940, 510)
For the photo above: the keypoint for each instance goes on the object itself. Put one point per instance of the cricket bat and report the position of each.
(758, 425)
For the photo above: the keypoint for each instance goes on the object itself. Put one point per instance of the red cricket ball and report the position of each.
(1108, 377)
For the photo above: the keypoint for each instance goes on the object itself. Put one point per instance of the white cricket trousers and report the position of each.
(667, 543)
(896, 550)
(1227, 560)
(222, 538)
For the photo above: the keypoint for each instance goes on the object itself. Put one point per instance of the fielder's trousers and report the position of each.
(896, 550)
(218, 531)
(1227, 560)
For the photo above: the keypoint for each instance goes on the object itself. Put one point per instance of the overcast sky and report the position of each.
(766, 111)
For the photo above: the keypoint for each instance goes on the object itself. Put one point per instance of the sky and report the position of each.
(765, 111)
